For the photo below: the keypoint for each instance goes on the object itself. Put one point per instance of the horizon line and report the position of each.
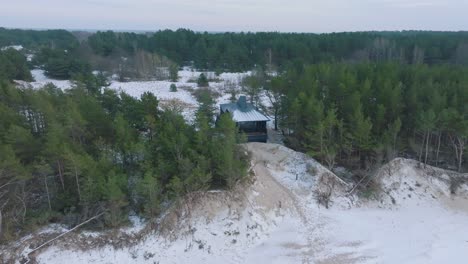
(91, 30)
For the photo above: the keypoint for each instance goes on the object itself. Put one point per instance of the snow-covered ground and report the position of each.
(421, 234)
(40, 80)
(15, 47)
(414, 219)
(161, 89)
(187, 81)
(276, 219)
(185, 86)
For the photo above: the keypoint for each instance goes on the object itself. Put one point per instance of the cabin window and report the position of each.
(252, 126)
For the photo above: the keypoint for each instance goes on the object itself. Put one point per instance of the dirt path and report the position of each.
(262, 157)
(268, 157)
(262, 172)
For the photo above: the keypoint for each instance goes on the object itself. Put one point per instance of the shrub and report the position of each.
(202, 81)
(455, 183)
(174, 73)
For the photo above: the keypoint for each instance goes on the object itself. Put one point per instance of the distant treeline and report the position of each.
(60, 39)
(243, 51)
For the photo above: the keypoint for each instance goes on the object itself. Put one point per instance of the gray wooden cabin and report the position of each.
(248, 118)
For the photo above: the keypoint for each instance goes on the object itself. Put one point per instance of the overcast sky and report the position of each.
(237, 15)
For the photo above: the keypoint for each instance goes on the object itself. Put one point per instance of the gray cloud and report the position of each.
(237, 15)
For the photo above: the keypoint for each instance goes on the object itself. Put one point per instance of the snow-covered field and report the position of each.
(414, 219)
(40, 80)
(161, 89)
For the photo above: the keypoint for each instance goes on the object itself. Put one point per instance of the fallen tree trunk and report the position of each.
(61, 235)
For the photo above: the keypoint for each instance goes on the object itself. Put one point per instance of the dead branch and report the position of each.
(61, 235)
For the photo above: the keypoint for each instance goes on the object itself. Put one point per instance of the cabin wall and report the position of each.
(255, 131)
(252, 126)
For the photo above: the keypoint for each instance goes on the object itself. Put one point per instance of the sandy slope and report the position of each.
(275, 219)
(414, 219)
(248, 225)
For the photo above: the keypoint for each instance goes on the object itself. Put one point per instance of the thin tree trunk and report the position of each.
(21, 199)
(276, 119)
(438, 148)
(459, 146)
(77, 184)
(47, 191)
(460, 157)
(60, 174)
(321, 142)
(77, 181)
(455, 146)
(422, 147)
(427, 147)
(460, 161)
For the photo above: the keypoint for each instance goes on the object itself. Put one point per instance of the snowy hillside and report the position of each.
(275, 218)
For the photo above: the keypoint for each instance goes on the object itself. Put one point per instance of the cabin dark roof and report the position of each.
(243, 112)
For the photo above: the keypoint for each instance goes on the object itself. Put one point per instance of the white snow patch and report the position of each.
(42, 80)
(15, 47)
(413, 234)
(137, 224)
(158, 88)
